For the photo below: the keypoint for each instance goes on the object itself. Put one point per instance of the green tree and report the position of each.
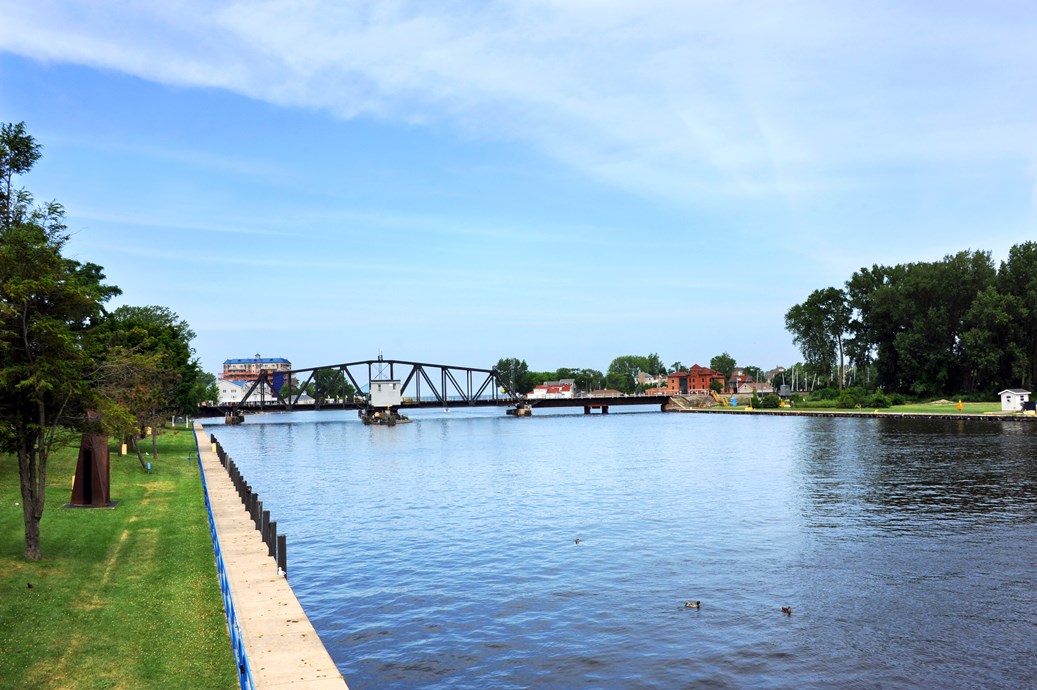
(585, 379)
(676, 366)
(159, 330)
(819, 327)
(990, 344)
(724, 363)
(753, 372)
(622, 371)
(131, 391)
(48, 305)
(210, 390)
(1018, 278)
(331, 383)
(18, 153)
(514, 374)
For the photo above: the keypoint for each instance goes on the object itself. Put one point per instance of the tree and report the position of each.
(990, 343)
(585, 379)
(210, 390)
(159, 330)
(1018, 278)
(18, 153)
(514, 374)
(132, 391)
(48, 305)
(819, 326)
(753, 372)
(676, 366)
(331, 383)
(622, 372)
(724, 363)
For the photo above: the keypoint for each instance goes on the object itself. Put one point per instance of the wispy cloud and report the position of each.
(673, 98)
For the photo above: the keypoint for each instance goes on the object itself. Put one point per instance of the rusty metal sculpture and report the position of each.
(90, 488)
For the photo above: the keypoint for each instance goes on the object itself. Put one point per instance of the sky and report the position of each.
(562, 181)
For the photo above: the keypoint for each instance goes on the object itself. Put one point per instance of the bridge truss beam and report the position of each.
(444, 384)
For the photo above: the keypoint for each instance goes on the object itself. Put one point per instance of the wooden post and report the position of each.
(282, 556)
(264, 529)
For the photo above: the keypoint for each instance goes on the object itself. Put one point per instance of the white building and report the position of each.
(231, 392)
(553, 389)
(1012, 399)
(386, 393)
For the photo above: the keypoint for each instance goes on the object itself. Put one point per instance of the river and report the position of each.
(443, 553)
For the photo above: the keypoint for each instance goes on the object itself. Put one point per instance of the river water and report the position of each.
(442, 553)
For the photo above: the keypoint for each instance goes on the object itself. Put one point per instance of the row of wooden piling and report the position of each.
(276, 544)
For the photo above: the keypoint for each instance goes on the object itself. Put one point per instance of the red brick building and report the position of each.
(694, 381)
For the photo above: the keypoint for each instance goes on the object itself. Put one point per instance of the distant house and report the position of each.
(605, 393)
(233, 391)
(553, 389)
(694, 381)
(644, 379)
(1012, 399)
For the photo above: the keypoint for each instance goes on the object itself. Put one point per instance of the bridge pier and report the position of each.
(587, 408)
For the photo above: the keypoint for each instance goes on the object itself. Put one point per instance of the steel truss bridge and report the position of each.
(422, 384)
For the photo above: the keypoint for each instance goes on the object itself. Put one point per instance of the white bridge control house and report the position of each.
(386, 393)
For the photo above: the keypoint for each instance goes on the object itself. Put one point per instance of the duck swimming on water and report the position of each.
(693, 604)
(787, 610)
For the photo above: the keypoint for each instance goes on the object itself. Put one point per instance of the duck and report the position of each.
(693, 604)
(787, 610)
(578, 540)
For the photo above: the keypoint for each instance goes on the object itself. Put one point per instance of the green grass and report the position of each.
(944, 408)
(123, 598)
(920, 408)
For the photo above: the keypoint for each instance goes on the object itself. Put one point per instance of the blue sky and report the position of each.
(561, 181)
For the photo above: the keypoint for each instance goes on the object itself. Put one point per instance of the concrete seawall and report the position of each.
(988, 417)
(284, 651)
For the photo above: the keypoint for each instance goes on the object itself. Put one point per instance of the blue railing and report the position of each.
(236, 641)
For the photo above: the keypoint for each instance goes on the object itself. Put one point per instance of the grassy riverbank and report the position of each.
(123, 598)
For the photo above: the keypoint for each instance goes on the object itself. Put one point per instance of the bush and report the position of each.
(852, 397)
(755, 402)
(897, 399)
(825, 394)
(771, 401)
(879, 400)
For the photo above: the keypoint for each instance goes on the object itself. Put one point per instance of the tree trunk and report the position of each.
(839, 341)
(136, 449)
(32, 470)
(154, 442)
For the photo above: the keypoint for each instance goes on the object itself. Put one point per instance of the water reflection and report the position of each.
(904, 475)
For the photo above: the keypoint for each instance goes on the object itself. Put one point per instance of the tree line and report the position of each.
(958, 325)
(68, 365)
(621, 375)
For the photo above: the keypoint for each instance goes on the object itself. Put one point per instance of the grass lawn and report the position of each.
(123, 598)
(952, 408)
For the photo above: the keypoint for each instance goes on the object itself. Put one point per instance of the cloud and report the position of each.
(682, 99)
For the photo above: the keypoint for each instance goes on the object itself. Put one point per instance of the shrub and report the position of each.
(771, 401)
(879, 400)
(825, 394)
(852, 397)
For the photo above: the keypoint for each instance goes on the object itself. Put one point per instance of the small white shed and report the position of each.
(1012, 399)
(386, 393)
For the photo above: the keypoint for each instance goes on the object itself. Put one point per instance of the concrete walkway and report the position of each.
(283, 649)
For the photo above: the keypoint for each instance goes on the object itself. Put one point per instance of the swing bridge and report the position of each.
(422, 385)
